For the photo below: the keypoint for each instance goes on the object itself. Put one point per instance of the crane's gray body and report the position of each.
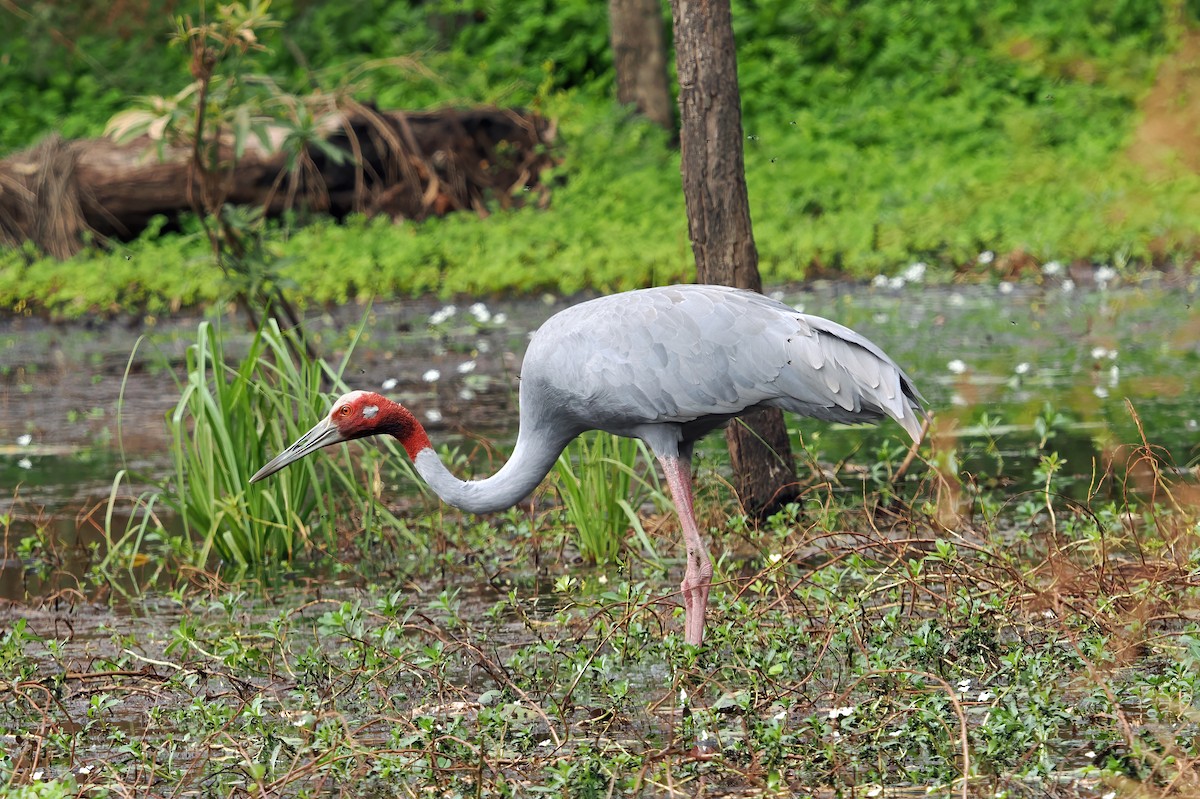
(669, 365)
(693, 357)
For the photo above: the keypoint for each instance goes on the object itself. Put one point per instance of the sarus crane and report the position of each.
(667, 365)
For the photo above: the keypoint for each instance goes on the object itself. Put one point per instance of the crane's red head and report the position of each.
(355, 415)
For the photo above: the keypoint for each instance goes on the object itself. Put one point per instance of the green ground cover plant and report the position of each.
(855, 647)
(878, 135)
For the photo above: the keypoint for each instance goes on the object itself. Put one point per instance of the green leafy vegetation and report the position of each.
(889, 653)
(877, 135)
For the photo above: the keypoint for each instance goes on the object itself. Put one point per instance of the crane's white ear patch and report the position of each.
(369, 411)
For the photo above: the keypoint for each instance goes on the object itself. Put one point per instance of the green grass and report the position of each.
(601, 488)
(229, 421)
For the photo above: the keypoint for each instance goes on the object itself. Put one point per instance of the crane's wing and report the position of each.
(682, 354)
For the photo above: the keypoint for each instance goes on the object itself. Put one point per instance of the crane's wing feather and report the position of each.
(683, 354)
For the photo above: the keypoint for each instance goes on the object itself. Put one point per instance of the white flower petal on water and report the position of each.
(956, 367)
(466, 367)
(1006, 287)
(437, 317)
(433, 415)
(499, 318)
(1052, 268)
(914, 273)
(431, 376)
(879, 281)
(389, 384)
(25, 463)
(481, 313)
(24, 440)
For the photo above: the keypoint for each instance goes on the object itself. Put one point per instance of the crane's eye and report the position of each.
(345, 411)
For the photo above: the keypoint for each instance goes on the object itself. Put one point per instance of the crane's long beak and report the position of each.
(323, 434)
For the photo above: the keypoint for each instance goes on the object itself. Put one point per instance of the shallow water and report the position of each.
(1002, 366)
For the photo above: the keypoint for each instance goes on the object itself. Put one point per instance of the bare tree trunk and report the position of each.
(714, 187)
(640, 58)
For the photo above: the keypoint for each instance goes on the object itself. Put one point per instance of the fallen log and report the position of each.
(61, 194)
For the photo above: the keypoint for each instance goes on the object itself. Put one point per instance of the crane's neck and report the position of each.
(532, 459)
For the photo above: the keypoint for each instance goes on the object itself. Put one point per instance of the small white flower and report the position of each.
(545, 742)
(1022, 368)
(986, 696)
(481, 313)
(389, 384)
(433, 415)
(1101, 392)
(499, 318)
(37, 775)
(774, 557)
(780, 716)
(1052, 268)
(1068, 286)
(956, 367)
(602, 579)
(1105, 275)
(879, 281)
(25, 463)
(683, 697)
(437, 317)
(1090, 755)
(431, 376)
(964, 684)
(896, 283)
(85, 770)
(1109, 795)
(1112, 355)
(1006, 287)
(1098, 353)
(915, 273)
(24, 440)
(466, 394)
(986, 257)
(874, 790)
(466, 367)
(839, 712)
(1191, 425)
(957, 300)
(958, 400)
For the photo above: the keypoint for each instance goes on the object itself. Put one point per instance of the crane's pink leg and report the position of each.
(698, 576)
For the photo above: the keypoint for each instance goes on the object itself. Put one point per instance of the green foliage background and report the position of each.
(878, 133)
